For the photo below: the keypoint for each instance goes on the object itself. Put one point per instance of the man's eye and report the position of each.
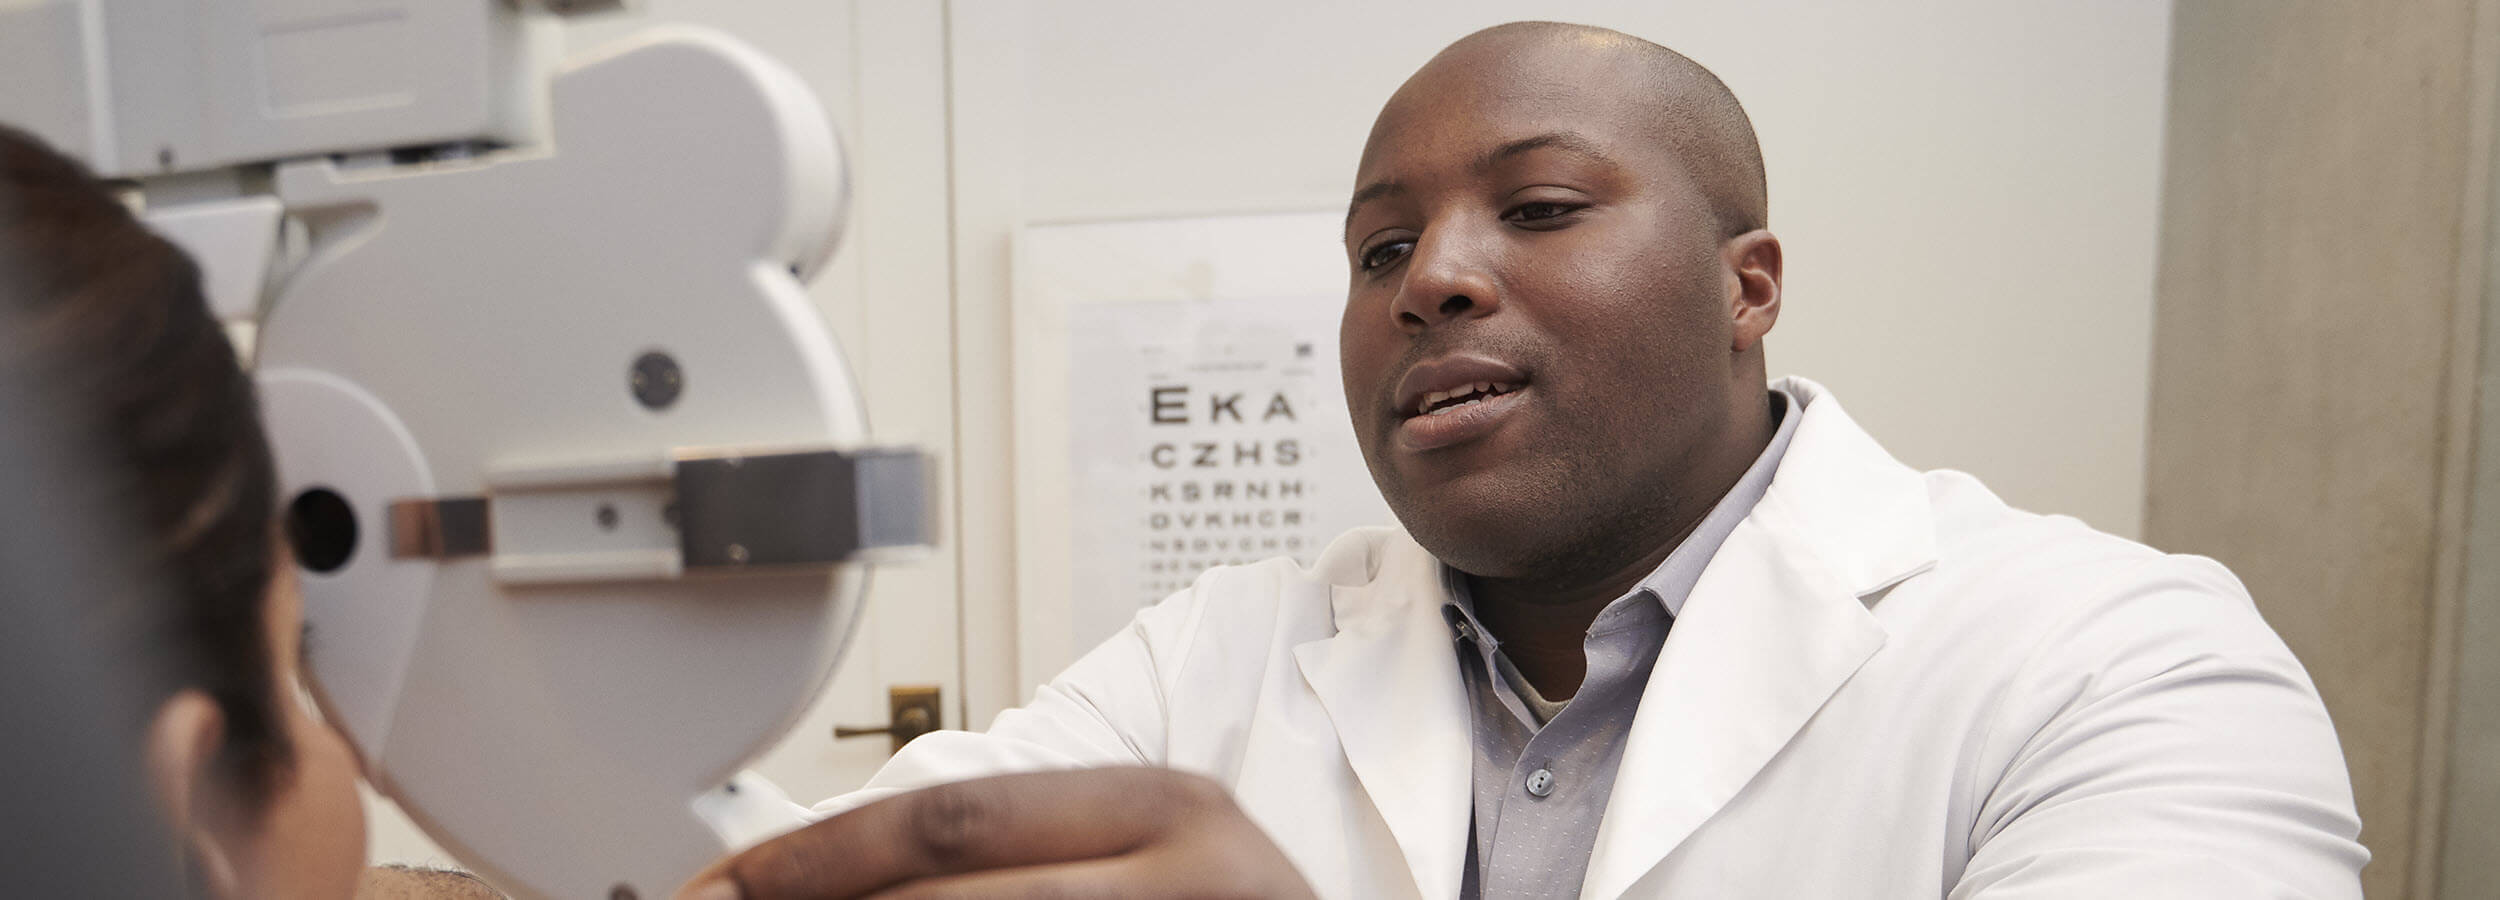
(1384, 254)
(1531, 212)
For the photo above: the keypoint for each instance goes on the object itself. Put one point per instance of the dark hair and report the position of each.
(107, 320)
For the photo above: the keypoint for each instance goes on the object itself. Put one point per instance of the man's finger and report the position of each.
(1000, 822)
(1116, 877)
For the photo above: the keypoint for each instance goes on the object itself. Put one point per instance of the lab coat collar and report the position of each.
(1389, 680)
(1778, 622)
(1839, 500)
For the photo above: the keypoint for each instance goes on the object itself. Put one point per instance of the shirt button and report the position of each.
(1541, 782)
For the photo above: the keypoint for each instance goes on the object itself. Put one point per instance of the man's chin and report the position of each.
(1487, 542)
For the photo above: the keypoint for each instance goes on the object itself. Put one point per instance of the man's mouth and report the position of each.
(1455, 399)
(1442, 402)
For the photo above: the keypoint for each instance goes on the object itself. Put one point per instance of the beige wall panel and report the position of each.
(2468, 861)
(2313, 195)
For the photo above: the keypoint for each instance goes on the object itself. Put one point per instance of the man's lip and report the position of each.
(1448, 373)
(1458, 425)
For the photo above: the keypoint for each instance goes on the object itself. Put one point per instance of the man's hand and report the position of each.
(398, 882)
(1127, 832)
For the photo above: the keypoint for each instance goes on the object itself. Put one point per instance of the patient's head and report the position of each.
(109, 322)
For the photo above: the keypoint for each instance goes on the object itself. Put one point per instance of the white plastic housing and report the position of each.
(462, 318)
(147, 87)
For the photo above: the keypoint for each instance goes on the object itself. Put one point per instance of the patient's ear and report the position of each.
(182, 756)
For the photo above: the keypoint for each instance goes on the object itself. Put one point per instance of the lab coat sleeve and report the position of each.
(1107, 709)
(2163, 742)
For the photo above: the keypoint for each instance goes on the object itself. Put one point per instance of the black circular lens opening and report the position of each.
(656, 380)
(322, 529)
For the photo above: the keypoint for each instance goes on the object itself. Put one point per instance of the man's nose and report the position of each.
(1448, 278)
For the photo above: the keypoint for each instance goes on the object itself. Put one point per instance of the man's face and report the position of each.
(1536, 336)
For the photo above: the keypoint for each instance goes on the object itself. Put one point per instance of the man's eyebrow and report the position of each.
(1559, 140)
(1374, 191)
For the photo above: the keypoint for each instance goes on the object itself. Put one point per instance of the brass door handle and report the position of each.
(914, 711)
(914, 722)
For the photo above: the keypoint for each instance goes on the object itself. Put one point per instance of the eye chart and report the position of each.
(1178, 407)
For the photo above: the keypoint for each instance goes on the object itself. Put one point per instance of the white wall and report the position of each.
(1966, 189)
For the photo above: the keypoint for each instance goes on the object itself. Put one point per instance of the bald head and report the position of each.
(1573, 217)
(1677, 102)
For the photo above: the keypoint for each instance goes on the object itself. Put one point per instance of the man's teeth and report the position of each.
(1482, 390)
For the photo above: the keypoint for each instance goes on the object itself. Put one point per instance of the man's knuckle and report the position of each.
(946, 824)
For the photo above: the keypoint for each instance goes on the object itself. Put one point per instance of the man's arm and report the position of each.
(1113, 832)
(942, 820)
(2166, 744)
(1107, 709)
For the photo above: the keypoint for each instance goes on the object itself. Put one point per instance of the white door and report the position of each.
(879, 68)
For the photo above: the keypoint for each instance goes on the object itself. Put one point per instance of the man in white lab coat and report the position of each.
(1656, 626)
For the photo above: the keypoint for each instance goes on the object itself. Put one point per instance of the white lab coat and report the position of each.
(1887, 684)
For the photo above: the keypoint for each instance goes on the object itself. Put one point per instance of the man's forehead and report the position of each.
(1465, 108)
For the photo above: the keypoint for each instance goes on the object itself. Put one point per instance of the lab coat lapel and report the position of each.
(1389, 680)
(1775, 626)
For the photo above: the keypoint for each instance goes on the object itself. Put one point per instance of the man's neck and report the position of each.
(1543, 626)
(1543, 622)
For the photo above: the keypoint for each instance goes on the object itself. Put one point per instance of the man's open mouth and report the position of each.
(1443, 402)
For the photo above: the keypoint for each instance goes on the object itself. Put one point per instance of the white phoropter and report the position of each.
(574, 470)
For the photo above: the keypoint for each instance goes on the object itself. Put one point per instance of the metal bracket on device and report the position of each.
(786, 509)
(702, 512)
(577, 7)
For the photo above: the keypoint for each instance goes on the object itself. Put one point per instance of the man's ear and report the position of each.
(1753, 265)
(182, 754)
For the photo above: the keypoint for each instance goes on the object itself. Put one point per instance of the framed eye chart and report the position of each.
(1177, 407)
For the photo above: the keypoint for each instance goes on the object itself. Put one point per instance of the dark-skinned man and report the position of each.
(1655, 626)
